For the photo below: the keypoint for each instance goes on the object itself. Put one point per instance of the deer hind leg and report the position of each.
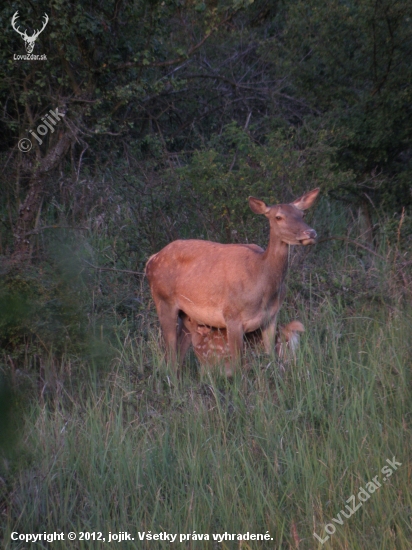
(184, 335)
(268, 337)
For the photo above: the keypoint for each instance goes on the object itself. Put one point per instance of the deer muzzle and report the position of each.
(309, 237)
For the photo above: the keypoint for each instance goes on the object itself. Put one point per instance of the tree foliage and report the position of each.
(203, 99)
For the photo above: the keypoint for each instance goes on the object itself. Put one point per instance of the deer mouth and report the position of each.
(305, 242)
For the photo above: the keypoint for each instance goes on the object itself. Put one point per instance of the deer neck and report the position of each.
(276, 257)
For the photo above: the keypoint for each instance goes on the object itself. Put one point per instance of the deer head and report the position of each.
(28, 40)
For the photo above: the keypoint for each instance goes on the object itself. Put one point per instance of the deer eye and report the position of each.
(278, 217)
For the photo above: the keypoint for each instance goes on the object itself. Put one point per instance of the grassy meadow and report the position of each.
(136, 123)
(115, 443)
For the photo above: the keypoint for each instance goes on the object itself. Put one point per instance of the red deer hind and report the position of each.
(237, 287)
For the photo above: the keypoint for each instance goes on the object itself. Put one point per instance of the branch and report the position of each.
(57, 153)
(113, 269)
(179, 59)
(36, 231)
(256, 88)
(350, 241)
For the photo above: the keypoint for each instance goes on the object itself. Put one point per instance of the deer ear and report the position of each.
(258, 206)
(305, 201)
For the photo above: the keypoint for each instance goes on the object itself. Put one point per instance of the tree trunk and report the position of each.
(29, 208)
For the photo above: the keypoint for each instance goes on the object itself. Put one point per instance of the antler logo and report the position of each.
(29, 40)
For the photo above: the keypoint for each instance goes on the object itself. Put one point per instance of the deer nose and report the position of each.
(310, 233)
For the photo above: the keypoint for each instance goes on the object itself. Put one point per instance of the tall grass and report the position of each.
(126, 447)
(269, 452)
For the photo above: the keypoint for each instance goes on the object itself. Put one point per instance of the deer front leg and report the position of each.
(269, 331)
(235, 339)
